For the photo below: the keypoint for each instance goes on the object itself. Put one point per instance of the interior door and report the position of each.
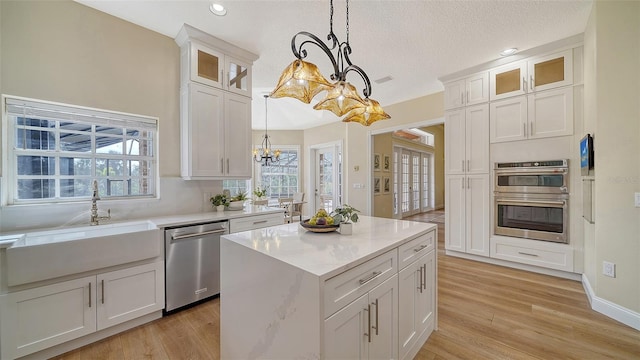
(328, 179)
(410, 168)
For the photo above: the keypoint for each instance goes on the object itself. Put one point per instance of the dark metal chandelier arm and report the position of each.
(367, 84)
(301, 53)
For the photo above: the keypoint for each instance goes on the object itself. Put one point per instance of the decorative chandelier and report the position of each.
(264, 152)
(303, 81)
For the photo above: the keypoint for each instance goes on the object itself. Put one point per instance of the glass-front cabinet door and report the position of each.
(508, 80)
(238, 77)
(550, 71)
(206, 65)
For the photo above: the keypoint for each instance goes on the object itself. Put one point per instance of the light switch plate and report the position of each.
(609, 269)
(637, 198)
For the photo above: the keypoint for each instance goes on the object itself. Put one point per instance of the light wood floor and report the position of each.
(485, 312)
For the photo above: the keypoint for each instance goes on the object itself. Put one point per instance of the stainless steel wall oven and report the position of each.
(531, 200)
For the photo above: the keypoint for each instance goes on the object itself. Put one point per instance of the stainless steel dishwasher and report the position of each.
(192, 263)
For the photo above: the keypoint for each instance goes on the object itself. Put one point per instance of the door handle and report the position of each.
(420, 280)
(89, 294)
(531, 82)
(376, 327)
(424, 277)
(102, 286)
(368, 333)
(180, 237)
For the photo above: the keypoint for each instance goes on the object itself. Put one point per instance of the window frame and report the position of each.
(90, 117)
(258, 170)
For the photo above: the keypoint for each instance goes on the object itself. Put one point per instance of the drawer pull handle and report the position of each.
(259, 222)
(528, 254)
(370, 277)
(420, 248)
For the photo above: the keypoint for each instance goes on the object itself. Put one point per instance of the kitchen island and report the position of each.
(287, 293)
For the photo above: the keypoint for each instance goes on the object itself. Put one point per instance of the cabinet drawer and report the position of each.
(533, 252)
(342, 289)
(409, 252)
(255, 222)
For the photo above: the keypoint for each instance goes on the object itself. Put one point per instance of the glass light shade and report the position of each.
(367, 115)
(300, 80)
(341, 99)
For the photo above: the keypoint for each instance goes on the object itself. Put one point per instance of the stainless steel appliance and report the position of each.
(192, 263)
(531, 200)
(543, 177)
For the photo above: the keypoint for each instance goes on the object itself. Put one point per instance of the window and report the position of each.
(237, 186)
(55, 152)
(282, 179)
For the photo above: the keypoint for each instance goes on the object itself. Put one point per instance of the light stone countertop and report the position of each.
(328, 254)
(179, 220)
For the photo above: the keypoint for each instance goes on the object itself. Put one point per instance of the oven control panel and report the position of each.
(533, 164)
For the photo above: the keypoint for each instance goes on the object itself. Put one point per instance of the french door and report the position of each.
(412, 177)
(328, 177)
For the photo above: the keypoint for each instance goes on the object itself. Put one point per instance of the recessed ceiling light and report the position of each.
(218, 9)
(507, 52)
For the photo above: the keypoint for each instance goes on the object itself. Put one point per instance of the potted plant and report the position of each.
(344, 215)
(219, 201)
(260, 193)
(237, 201)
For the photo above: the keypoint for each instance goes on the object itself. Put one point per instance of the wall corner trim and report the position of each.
(610, 309)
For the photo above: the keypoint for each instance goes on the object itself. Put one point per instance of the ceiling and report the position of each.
(413, 42)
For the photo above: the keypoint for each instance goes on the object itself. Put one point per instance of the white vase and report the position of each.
(346, 228)
(220, 208)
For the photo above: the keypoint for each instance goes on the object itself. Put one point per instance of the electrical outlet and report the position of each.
(637, 199)
(609, 269)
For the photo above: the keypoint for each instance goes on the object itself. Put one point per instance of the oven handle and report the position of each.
(533, 171)
(558, 203)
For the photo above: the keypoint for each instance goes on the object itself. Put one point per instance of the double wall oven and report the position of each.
(532, 200)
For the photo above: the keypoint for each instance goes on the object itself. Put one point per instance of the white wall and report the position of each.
(612, 92)
(65, 52)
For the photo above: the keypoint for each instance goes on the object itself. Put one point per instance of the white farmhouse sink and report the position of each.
(48, 254)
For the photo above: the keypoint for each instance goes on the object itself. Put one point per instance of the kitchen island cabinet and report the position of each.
(288, 293)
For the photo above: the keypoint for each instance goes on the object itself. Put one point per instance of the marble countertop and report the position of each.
(179, 220)
(328, 254)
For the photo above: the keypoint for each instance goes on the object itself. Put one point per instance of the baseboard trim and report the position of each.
(610, 309)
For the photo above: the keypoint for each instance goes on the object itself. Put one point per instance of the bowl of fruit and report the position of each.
(321, 222)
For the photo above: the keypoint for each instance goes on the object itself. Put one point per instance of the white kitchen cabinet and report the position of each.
(367, 328)
(42, 317)
(530, 75)
(471, 90)
(541, 114)
(467, 219)
(126, 294)
(416, 284)
(215, 134)
(467, 140)
(210, 61)
(255, 222)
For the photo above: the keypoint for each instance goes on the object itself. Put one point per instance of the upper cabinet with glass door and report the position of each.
(213, 68)
(210, 61)
(530, 75)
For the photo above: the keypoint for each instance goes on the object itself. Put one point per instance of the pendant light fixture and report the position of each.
(265, 154)
(303, 81)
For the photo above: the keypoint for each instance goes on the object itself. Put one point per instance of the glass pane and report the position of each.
(75, 142)
(75, 126)
(108, 145)
(108, 130)
(36, 122)
(140, 186)
(508, 81)
(137, 147)
(134, 168)
(109, 167)
(36, 165)
(75, 166)
(238, 76)
(36, 188)
(116, 188)
(550, 71)
(75, 187)
(35, 139)
(208, 66)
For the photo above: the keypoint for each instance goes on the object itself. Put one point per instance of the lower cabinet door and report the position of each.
(384, 320)
(346, 331)
(35, 319)
(126, 294)
(417, 300)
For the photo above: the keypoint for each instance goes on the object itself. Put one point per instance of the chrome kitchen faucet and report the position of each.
(95, 219)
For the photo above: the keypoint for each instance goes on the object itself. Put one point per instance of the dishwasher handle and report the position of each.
(180, 237)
